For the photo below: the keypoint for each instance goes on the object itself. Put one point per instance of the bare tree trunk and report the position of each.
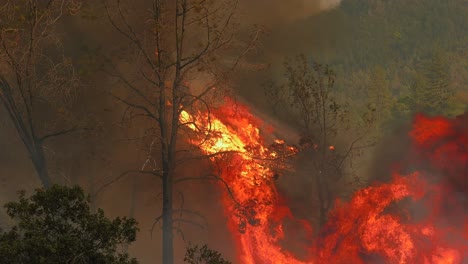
(323, 191)
(93, 203)
(167, 221)
(131, 213)
(168, 237)
(40, 164)
(324, 203)
(26, 132)
(321, 197)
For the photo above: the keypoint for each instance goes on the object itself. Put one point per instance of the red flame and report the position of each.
(430, 227)
(252, 205)
(413, 219)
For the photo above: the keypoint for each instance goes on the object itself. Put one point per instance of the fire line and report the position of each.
(363, 230)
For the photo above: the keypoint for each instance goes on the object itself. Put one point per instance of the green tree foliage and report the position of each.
(385, 32)
(56, 226)
(379, 94)
(419, 44)
(203, 255)
(432, 89)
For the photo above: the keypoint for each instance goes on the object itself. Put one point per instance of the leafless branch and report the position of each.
(122, 175)
(183, 220)
(210, 177)
(135, 105)
(60, 133)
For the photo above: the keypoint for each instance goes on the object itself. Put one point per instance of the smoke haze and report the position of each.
(275, 12)
(94, 161)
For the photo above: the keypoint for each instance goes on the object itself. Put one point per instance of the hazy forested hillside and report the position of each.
(411, 53)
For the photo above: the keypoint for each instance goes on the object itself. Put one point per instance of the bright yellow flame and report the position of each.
(249, 176)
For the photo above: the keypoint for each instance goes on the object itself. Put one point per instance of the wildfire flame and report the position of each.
(252, 207)
(363, 230)
(430, 223)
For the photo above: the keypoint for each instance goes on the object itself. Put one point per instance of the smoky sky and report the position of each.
(275, 12)
(291, 28)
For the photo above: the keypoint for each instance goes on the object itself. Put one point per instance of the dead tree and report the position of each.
(37, 82)
(180, 55)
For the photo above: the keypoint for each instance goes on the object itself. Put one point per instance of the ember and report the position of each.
(416, 218)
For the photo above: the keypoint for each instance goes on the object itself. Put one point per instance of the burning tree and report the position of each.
(308, 97)
(249, 166)
(175, 65)
(37, 81)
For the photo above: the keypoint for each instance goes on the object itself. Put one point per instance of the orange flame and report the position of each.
(357, 231)
(427, 223)
(252, 206)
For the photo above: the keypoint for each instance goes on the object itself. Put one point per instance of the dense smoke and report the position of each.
(288, 30)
